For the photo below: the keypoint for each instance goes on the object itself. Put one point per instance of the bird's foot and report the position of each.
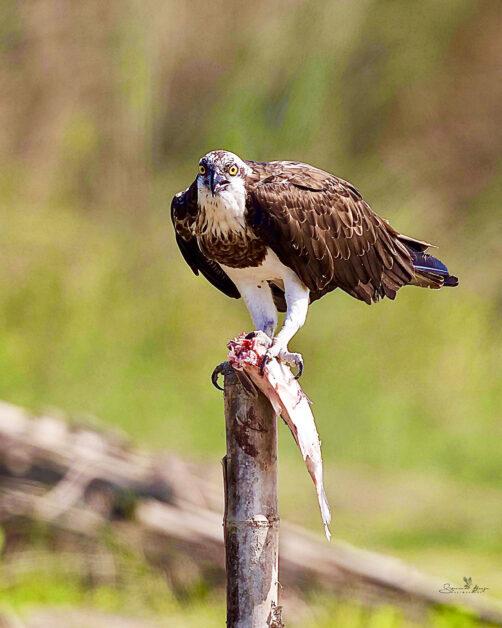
(225, 368)
(222, 369)
(292, 359)
(283, 355)
(261, 336)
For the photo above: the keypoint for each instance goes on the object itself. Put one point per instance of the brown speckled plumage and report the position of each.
(316, 224)
(238, 250)
(184, 213)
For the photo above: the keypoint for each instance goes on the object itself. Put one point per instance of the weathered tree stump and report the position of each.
(251, 520)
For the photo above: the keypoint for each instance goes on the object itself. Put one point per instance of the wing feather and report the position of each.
(184, 210)
(320, 226)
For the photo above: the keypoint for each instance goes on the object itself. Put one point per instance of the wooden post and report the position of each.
(251, 520)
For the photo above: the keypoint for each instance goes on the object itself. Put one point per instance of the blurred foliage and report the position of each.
(107, 108)
(112, 577)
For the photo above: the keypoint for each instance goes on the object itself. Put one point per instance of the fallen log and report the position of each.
(80, 480)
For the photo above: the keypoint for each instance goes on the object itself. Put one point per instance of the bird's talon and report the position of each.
(219, 370)
(300, 369)
(292, 359)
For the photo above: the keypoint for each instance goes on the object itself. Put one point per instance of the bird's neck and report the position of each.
(222, 213)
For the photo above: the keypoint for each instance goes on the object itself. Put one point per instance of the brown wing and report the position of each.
(184, 211)
(321, 227)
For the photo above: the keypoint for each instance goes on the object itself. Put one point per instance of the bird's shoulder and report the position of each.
(300, 193)
(284, 173)
(296, 178)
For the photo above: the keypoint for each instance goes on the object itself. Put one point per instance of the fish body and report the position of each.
(277, 383)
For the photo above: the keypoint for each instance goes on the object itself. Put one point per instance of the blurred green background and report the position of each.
(107, 108)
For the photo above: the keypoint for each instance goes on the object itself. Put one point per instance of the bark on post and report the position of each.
(251, 521)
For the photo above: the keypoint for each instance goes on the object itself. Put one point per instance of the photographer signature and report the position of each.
(467, 588)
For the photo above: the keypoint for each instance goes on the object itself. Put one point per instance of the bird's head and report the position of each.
(221, 172)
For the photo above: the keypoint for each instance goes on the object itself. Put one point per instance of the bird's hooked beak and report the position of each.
(216, 181)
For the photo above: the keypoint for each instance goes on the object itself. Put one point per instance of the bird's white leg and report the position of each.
(260, 304)
(297, 301)
(258, 298)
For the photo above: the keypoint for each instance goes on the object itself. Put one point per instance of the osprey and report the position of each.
(282, 234)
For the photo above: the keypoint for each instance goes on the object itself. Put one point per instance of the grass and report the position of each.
(320, 611)
(148, 597)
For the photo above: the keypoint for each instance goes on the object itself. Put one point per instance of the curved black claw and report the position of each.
(300, 367)
(219, 370)
(293, 360)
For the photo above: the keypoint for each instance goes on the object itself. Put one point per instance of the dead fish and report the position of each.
(276, 382)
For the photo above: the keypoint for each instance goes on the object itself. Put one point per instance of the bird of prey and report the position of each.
(282, 234)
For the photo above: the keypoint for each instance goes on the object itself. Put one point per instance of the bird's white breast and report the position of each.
(223, 212)
(271, 269)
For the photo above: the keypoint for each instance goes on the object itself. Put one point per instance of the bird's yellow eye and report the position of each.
(233, 170)
(202, 169)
